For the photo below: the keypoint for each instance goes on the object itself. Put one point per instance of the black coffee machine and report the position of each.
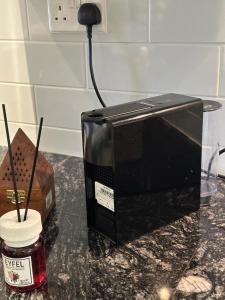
(142, 163)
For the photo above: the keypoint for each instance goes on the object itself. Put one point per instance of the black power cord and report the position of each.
(89, 15)
(211, 162)
(220, 153)
(89, 34)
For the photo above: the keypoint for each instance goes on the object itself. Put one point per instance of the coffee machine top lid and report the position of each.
(144, 107)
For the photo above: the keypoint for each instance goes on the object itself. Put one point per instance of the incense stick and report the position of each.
(11, 162)
(33, 169)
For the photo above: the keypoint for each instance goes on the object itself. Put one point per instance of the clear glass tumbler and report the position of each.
(210, 149)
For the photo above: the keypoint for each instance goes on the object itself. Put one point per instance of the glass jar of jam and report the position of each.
(22, 251)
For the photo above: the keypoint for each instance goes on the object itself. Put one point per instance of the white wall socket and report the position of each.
(62, 15)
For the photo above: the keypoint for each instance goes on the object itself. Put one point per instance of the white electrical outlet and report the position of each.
(63, 15)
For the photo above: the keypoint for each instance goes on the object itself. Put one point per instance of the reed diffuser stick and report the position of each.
(33, 169)
(11, 163)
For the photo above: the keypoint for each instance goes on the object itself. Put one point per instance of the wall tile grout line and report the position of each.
(149, 21)
(144, 43)
(220, 73)
(27, 21)
(121, 92)
(86, 64)
(44, 126)
(35, 105)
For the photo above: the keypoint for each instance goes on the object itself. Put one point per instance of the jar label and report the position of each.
(18, 271)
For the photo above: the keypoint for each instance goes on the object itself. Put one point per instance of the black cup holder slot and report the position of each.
(95, 115)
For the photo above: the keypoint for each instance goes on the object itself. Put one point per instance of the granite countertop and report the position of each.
(182, 260)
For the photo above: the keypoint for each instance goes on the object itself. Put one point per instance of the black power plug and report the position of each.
(88, 15)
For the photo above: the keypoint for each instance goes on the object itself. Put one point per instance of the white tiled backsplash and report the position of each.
(152, 47)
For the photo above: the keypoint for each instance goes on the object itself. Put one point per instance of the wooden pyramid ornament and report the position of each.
(43, 191)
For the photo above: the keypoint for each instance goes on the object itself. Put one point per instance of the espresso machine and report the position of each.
(142, 164)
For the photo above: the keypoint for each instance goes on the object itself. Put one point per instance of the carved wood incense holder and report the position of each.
(43, 190)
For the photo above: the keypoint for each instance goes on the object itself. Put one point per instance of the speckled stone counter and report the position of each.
(182, 260)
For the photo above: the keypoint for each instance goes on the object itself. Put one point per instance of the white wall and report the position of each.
(151, 47)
